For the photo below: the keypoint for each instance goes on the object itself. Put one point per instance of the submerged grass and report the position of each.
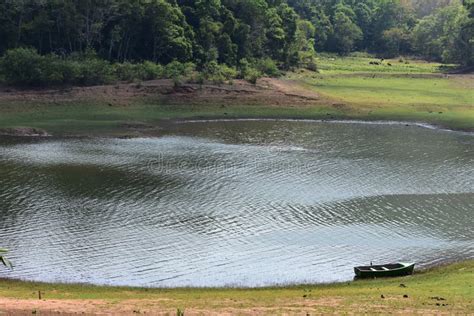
(447, 289)
(98, 118)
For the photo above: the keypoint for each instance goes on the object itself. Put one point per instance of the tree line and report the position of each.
(238, 32)
(440, 30)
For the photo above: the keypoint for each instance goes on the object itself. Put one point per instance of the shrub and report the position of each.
(268, 67)
(312, 65)
(307, 60)
(144, 71)
(22, 66)
(178, 71)
(253, 75)
(218, 73)
(247, 72)
(228, 72)
(93, 71)
(53, 71)
(70, 71)
(150, 71)
(244, 67)
(126, 71)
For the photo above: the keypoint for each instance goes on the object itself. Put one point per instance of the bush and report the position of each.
(307, 60)
(247, 72)
(228, 72)
(177, 71)
(144, 71)
(244, 67)
(218, 73)
(22, 66)
(268, 67)
(126, 71)
(150, 71)
(253, 75)
(95, 71)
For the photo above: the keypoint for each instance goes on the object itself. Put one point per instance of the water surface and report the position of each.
(245, 203)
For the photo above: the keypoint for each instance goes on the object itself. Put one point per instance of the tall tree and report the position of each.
(346, 33)
(445, 35)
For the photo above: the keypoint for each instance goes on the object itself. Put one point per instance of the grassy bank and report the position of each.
(95, 118)
(447, 289)
(395, 89)
(345, 88)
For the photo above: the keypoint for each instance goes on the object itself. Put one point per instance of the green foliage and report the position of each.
(252, 75)
(93, 71)
(22, 66)
(26, 67)
(143, 71)
(168, 33)
(442, 35)
(465, 41)
(160, 31)
(77, 41)
(268, 67)
(346, 33)
(126, 71)
(248, 72)
(150, 71)
(178, 71)
(216, 73)
(396, 40)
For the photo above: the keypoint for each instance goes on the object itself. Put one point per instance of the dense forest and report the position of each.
(235, 33)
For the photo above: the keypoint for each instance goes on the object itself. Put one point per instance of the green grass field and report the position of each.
(360, 63)
(447, 289)
(350, 88)
(410, 92)
(79, 118)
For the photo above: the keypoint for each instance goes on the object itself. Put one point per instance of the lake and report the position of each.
(235, 203)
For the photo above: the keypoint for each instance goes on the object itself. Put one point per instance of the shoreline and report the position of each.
(143, 132)
(330, 121)
(445, 289)
(131, 110)
(418, 271)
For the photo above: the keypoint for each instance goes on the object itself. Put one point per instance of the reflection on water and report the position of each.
(236, 203)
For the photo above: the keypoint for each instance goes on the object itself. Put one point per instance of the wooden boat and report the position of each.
(385, 270)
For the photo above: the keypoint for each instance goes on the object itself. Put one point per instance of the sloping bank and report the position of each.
(441, 290)
(144, 108)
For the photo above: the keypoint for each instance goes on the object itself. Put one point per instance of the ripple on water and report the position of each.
(236, 203)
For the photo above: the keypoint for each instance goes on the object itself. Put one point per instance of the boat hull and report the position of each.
(382, 271)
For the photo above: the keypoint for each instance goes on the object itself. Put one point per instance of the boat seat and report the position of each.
(385, 269)
(372, 269)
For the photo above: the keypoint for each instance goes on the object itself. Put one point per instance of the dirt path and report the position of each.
(320, 306)
(153, 307)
